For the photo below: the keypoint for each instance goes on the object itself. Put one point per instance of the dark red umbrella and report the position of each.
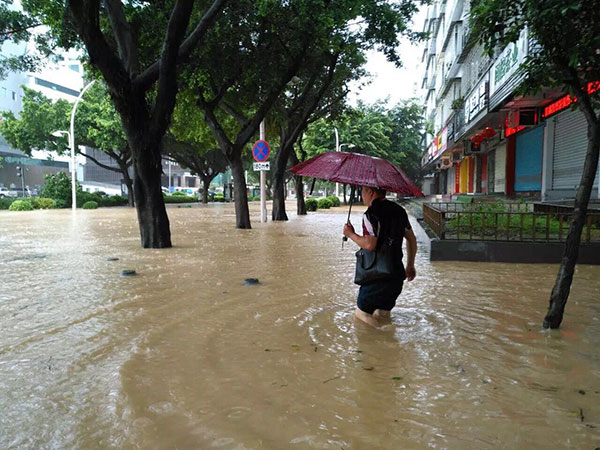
(358, 170)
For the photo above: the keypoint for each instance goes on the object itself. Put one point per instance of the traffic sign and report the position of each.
(261, 150)
(260, 166)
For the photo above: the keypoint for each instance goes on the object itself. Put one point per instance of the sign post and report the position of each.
(260, 151)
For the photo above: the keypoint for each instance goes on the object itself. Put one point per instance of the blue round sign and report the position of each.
(261, 150)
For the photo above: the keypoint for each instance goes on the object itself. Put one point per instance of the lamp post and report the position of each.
(339, 149)
(71, 136)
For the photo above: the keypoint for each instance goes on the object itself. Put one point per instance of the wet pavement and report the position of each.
(185, 355)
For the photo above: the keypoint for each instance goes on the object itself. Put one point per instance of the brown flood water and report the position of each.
(184, 356)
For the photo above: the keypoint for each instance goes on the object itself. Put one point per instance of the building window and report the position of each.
(74, 67)
(3, 92)
(14, 95)
(56, 87)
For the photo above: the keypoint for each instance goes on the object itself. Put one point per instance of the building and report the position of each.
(485, 139)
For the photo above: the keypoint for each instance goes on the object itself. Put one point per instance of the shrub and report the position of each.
(115, 200)
(178, 194)
(90, 205)
(6, 202)
(179, 199)
(21, 205)
(324, 203)
(335, 201)
(43, 203)
(311, 204)
(84, 197)
(219, 198)
(58, 187)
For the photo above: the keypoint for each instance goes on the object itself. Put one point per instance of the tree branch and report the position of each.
(125, 43)
(147, 78)
(167, 80)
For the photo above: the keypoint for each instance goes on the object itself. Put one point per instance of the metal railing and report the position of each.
(518, 222)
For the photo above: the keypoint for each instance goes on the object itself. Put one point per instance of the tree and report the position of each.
(97, 125)
(286, 37)
(568, 36)
(138, 48)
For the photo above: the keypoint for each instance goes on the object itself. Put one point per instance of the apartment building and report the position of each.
(483, 138)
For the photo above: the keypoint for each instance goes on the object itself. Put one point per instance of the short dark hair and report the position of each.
(378, 191)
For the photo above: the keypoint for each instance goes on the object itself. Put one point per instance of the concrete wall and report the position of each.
(509, 252)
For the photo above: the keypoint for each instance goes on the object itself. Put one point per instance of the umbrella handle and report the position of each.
(345, 238)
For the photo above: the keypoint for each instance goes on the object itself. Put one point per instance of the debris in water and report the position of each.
(250, 281)
(112, 258)
(369, 368)
(127, 272)
(331, 379)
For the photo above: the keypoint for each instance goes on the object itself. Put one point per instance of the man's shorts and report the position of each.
(379, 295)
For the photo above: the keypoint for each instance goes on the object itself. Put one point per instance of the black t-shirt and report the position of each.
(389, 222)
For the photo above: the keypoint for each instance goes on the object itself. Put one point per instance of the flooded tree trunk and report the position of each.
(279, 181)
(129, 183)
(240, 196)
(152, 214)
(205, 186)
(300, 204)
(562, 286)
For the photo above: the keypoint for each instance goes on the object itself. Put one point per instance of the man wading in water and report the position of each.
(382, 220)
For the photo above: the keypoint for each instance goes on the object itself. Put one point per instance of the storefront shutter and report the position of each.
(528, 160)
(570, 147)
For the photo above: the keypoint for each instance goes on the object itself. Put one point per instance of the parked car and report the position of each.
(5, 192)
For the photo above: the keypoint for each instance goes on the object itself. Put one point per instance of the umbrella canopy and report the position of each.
(357, 169)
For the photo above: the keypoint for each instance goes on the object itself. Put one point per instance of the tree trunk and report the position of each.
(562, 286)
(152, 214)
(129, 184)
(279, 183)
(206, 185)
(242, 213)
(300, 205)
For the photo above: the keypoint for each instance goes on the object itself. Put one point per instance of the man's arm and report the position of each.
(411, 251)
(366, 242)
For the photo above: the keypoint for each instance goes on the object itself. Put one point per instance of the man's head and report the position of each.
(370, 193)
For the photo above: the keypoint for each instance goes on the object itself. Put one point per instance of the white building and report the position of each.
(485, 139)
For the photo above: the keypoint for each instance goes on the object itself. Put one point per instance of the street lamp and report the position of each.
(71, 136)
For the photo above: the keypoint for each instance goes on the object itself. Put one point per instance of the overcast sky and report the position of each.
(387, 80)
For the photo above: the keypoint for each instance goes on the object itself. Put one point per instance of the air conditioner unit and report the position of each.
(446, 163)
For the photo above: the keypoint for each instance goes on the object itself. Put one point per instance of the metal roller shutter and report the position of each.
(570, 146)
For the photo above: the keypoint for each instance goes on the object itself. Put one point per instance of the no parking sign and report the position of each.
(261, 150)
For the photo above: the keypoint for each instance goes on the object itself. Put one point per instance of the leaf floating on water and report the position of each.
(581, 391)
(369, 368)
(397, 378)
(316, 348)
(358, 351)
(295, 347)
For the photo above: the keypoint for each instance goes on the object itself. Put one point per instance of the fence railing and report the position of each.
(518, 223)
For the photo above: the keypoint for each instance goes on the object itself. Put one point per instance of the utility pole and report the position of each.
(263, 177)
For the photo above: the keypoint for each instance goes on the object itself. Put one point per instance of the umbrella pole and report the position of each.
(345, 238)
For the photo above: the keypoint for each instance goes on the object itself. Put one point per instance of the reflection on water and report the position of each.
(183, 355)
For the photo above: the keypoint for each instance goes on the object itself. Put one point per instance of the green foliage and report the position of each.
(90, 205)
(335, 201)
(219, 198)
(178, 194)
(58, 188)
(324, 203)
(311, 204)
(393, 134)
(43, 203)
(6, 202)
(21, 205)
(179, 199)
